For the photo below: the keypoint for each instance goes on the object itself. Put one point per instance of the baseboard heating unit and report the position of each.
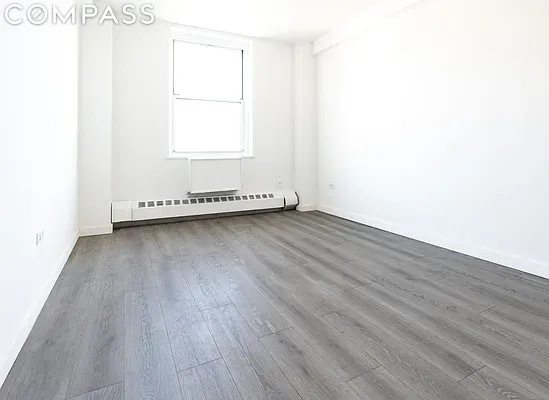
(150, 210)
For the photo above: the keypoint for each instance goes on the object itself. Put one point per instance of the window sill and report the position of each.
(207, 156)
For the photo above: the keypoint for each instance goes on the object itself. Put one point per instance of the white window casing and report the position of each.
(210, 103)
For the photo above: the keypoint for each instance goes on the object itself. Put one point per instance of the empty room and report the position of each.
(274, 200)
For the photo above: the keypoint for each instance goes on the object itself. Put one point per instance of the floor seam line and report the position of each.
(231, 303)
(216, 307)
(232, 377)
(471, 374)
(363, 285)
(211, 335)
(198, 365)
(78, 353)
(94, 390)
(488, 309)
(165, 329)
(334, 312)
(280, 368)
(274, 333)
(364, 373)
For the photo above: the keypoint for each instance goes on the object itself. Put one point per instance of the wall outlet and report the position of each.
(332, 186)
(39, 237)
(279, 183)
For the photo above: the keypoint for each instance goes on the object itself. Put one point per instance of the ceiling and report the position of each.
(288, 20)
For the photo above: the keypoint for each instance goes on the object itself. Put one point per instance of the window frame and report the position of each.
(218, 40)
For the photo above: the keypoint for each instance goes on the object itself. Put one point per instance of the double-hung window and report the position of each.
(211, 107)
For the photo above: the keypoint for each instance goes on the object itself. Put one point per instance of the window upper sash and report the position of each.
(207, 72)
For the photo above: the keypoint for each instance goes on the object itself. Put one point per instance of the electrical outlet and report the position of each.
(39, 237)
(332, 186)
(279, 183)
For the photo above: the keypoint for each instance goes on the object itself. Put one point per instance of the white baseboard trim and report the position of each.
(32, 315)
(96, 230)
(514, 261)
(306, 208)
(376, 223)
(517, 262)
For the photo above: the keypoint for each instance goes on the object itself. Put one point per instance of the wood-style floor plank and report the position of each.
(260, 315)
(43, 369)
(113, 392)
(347, 359)
(283, 306)
(512, 363)
(488, 384)
(379, 384)
(210, 381)
(448, 358)
(370, 245)
(191, 387)
(153, 245)
(311, 375)
(326, 260)
(138, 273)
(416, 372)
(200, 280)
(256, 374)
(190, 339)
(443, 305)
(101, 360)
(524, 323)
(518, 299)
(260, 267)
(413, 283)
(149, 369)
(252, 243)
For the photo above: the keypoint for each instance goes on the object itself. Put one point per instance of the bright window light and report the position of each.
(210, 105)
(207, 126)
(207, 72)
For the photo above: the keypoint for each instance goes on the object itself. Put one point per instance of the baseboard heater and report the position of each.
(150, 210)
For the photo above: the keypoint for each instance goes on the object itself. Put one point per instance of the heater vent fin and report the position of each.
(203, 200)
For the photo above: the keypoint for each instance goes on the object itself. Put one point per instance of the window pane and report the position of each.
(207, 126)
(207, 72)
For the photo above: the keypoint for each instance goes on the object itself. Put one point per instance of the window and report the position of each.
(210, 99)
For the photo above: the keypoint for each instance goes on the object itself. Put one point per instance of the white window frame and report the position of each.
(220, 40)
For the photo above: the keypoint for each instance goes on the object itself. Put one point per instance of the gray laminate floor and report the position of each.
(283, 306)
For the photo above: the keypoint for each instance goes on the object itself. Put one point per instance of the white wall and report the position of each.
(306, 148)
(140, 117)
(95, 129)
(38, 164)
(434, 124)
